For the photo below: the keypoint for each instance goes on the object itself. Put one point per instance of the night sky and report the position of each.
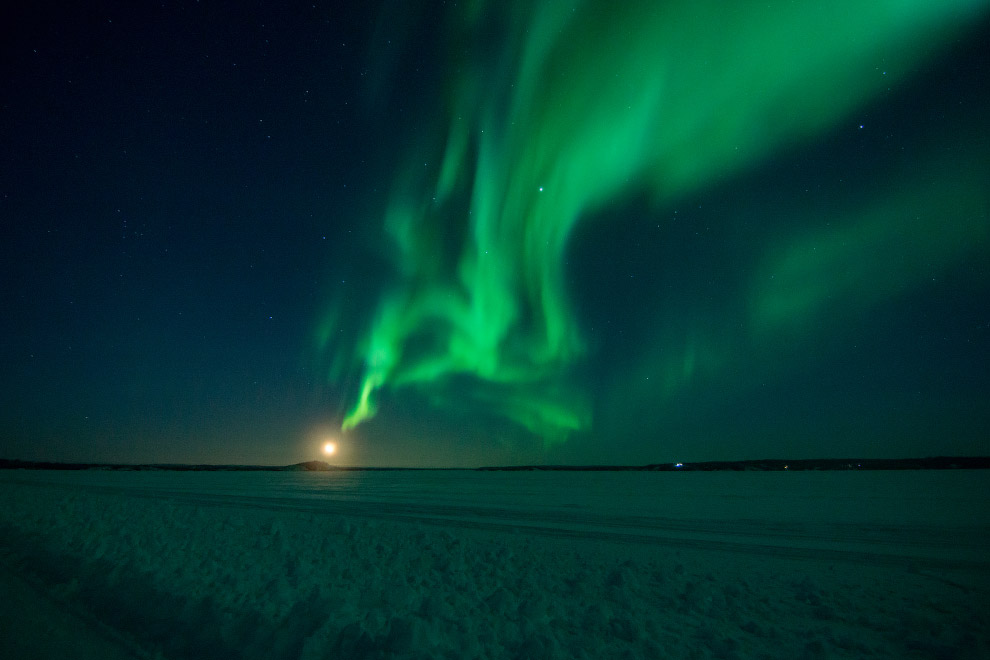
(458, 234)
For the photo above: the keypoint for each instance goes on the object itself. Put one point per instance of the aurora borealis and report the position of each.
(541, 130)
(583, 232)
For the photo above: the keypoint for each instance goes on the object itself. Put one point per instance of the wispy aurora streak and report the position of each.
(569, 108)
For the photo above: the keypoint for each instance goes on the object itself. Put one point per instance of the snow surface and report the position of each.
(460, 564)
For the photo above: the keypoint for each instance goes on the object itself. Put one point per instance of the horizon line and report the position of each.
(766, 464)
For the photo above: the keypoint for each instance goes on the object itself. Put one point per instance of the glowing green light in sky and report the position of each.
(574, 106)
(906, 239)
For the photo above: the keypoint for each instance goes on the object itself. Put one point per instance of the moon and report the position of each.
(330, 448)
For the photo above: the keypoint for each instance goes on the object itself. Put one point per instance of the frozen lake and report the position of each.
(508, 564)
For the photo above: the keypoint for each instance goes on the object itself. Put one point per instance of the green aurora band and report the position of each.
(574, 106)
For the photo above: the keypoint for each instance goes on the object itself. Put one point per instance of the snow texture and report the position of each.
(460, 564)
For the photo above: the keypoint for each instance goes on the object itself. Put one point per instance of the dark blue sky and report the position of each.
(201, 257)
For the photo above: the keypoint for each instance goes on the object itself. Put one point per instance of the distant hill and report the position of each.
(764, 465)
(309, 466)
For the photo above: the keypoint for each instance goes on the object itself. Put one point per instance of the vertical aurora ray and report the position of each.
(572, 107)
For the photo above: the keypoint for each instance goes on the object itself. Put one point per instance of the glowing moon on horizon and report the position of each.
(330, 448)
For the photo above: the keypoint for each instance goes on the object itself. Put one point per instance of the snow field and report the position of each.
(237, 579)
